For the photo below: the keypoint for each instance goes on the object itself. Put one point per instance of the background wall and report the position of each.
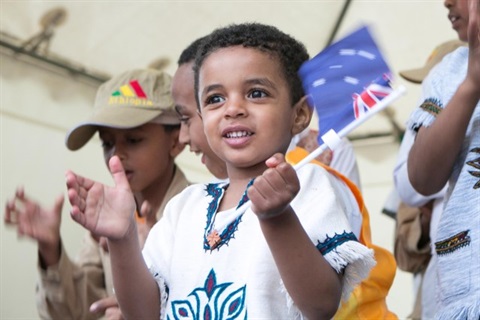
(38, 106)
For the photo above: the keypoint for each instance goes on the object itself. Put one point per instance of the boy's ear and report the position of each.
(176, 147)
(302, 116)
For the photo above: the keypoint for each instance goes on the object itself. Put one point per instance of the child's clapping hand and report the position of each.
(105, 211)
(33, 220)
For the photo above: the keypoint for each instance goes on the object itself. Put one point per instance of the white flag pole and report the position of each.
(382, 104)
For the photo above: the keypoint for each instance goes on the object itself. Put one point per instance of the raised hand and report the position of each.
(32, 220)
(105, 211)
(145, 222)
(272, 192)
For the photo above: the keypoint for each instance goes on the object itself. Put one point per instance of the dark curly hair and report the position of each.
(290, 53)
(188, 54)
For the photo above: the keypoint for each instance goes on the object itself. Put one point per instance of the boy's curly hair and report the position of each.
(291, 53)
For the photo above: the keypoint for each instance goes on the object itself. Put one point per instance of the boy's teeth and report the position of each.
(238, 134)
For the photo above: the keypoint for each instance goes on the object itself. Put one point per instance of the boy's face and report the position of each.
(245, 105)
(458, 16)
(147, 153)
(191, 131)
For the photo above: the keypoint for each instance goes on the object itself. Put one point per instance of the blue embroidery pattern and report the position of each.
(331, 243)
(216, 191)
(432, 106)
(475, 164)
(453, 243)
(212, 301)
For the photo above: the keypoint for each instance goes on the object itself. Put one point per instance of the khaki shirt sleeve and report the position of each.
(408, 230)
(66, 290)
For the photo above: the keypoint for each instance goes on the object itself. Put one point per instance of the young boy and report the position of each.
(363, 301)
(291, 255)
(136, 121)
(446, 149)
(191, 127)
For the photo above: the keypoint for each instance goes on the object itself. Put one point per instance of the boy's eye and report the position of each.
(134, 140)
(107, 144)
(257, 93)
(213, 99)
(184, 119)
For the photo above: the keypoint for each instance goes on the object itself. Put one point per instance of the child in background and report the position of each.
(135, 117)
(291, 254)
(446, 149)
(417, 216)
(191, 127)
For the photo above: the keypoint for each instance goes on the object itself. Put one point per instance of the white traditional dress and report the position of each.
(238, 279)
(457, 242)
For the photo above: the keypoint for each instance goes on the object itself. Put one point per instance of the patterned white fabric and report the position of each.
(239, 278)
(458, 233)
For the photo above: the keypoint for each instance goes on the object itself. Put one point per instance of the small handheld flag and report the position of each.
(346, 80)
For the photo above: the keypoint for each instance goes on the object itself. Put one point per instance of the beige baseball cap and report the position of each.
(126, 101)
(417, 75)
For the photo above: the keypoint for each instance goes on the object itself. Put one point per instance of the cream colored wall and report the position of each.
(37, 107)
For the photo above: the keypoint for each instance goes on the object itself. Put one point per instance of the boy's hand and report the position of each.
(272, 192)
(105, 211)
(34, 221)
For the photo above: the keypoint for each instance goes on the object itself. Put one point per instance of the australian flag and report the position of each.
(346, 80)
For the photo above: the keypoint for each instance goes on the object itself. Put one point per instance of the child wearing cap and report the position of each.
(446, 150)
(291, 255)
(136, 121)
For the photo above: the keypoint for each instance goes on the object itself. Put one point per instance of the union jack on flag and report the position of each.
(375, 92)
(346, 80)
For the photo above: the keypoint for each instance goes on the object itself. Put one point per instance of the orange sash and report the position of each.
(368, 299)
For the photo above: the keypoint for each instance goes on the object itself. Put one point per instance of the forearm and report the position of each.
(433, 154)
(305, 273)
(49, 253)
(136, 290)
(403, 186)
(66, 290)
(407, 192)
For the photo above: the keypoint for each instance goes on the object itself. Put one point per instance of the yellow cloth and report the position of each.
(367, 300)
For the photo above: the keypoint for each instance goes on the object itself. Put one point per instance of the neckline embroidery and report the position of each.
(214, 239)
